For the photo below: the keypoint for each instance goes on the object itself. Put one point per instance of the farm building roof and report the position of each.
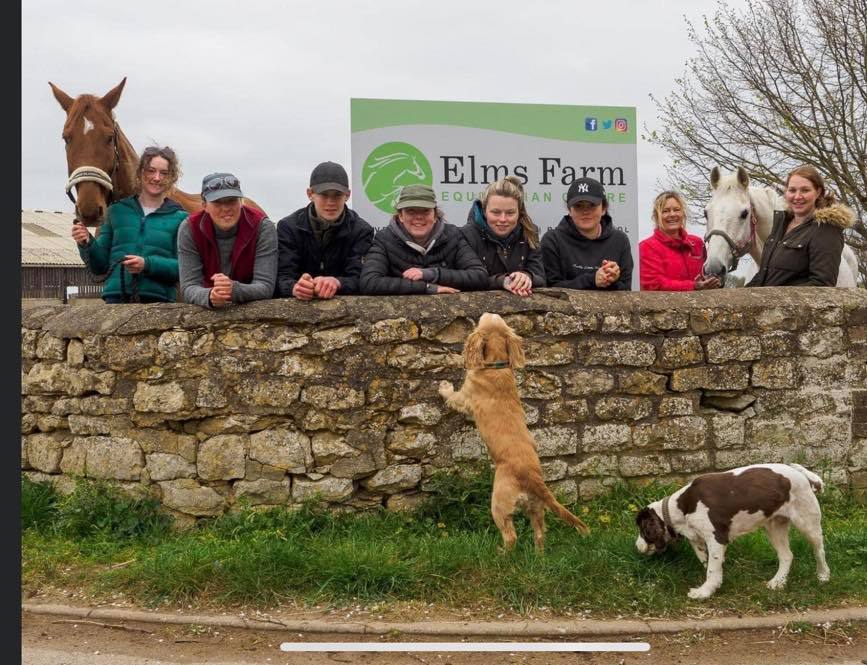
(46, 239)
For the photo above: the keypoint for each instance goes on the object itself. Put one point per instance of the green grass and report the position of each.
(445, 553)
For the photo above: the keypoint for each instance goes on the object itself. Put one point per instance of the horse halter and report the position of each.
(94, 174)
(737, 250)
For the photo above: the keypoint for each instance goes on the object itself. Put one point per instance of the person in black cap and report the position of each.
(227, 253)
(585, 251)
(322, 244)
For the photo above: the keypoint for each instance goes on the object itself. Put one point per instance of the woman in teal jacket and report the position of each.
(137, 243)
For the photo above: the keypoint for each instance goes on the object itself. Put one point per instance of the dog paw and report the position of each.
(824, 577)
(775, 584)
(446, 389)
(699, 593)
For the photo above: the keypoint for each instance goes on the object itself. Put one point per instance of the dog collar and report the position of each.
(500, 364)
(666, 516)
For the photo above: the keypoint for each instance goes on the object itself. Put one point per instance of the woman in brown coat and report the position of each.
(806, 240)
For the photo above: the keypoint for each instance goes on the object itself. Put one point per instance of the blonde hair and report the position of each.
(825, 198)
(659, 204)
(511, 187)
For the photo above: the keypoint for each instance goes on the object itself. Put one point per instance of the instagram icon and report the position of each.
(620, 125)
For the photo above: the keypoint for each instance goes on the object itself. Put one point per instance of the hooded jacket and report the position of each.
(572, 259)
(448, 255)
(670, 264)
(127, 230)
(807, 256)
(300, 252)
(502, 257)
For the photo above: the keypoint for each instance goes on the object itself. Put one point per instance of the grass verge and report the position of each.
(102, 542)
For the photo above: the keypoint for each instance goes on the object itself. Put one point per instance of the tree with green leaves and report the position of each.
(778, 84)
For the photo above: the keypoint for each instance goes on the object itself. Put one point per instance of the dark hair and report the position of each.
(156, 151)
(604, 205)
(512, 188)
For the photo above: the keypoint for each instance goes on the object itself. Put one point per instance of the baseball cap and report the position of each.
(416, 196)
(220, 186)
(585, 189)
(329, 175)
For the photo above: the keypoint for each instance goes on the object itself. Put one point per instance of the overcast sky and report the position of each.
(262, 88)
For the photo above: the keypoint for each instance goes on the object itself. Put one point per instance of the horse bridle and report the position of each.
(94, 174)
(737, 250)
(100, 177)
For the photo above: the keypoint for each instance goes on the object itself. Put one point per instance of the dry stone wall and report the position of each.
(279, 401)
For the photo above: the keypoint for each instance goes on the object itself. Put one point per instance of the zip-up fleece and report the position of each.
(127, 230)
(807, 256)
(571, 259)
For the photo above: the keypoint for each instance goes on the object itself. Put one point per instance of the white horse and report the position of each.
(739, 219)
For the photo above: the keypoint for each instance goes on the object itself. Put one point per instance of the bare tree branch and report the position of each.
(779, 84)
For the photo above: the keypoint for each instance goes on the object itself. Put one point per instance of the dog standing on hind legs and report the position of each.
(489, 395)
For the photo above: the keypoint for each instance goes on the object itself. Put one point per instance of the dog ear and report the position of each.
(514, 343)
(474, 351)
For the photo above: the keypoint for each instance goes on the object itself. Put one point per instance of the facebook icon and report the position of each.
(590, 124)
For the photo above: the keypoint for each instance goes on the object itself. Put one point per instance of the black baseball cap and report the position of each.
(585, 189)
(327, 176)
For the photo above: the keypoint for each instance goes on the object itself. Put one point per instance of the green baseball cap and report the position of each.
(416, 196)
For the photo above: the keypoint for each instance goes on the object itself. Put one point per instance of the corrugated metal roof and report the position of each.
(46, 239)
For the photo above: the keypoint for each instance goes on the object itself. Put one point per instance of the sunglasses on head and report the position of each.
(223, 182)
(166, 153)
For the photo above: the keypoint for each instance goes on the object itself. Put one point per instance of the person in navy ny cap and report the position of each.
(227, 252)
(585, 251)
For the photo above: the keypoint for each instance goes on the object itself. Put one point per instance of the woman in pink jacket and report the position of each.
(671, 259)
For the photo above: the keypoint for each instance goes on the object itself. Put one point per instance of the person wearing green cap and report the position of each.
(420, 253)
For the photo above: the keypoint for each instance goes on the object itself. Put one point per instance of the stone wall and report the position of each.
(277, 401)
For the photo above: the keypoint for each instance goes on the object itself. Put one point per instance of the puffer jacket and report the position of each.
(809, 255)
(127, 230)
(501, 259)
(670, 264)
(451, 256)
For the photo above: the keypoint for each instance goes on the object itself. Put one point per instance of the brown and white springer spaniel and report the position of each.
(716, 508)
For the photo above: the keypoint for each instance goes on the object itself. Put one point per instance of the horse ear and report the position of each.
(63, 99)
(743, 177)
(516, 350)
(474, 351)
(714, 177)
(112, 97)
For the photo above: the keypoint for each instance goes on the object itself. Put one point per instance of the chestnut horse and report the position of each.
(102, 162)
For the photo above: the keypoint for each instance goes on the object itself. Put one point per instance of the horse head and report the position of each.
(731, 227)
(94, 147)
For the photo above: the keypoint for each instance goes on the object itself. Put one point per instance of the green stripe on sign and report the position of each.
(587, 124)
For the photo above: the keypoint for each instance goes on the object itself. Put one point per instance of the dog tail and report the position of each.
(815, 482)
(540, 489)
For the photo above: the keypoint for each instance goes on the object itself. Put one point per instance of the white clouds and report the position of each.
(263, 88)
